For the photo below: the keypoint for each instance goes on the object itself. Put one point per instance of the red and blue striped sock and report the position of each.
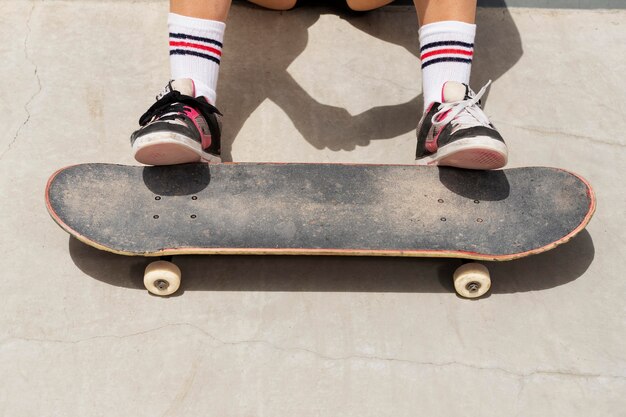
(196, 52)
(447, 50)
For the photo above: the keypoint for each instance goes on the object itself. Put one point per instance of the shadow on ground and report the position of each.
(558, 267)
(261, 44)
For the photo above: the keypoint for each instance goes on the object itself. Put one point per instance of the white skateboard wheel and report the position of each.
(472, 280)
(162, 278)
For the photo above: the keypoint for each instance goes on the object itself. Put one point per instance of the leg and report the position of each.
(275, 4)
(202, 9)
(431, 11)
(447, 32)
(365, 5)
(453, 130)
(196, 36)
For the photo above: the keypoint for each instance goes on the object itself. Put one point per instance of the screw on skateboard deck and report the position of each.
(319, 209)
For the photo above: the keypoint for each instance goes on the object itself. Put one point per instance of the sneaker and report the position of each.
(457, 133)
(178, 128)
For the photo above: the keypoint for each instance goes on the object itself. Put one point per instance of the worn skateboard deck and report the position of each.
(319, 209)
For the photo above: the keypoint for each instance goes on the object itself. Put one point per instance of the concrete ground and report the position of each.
(282, 336)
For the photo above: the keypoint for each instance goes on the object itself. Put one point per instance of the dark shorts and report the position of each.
(339, 4)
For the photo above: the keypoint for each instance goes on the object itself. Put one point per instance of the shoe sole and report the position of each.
(480, 153)
(169, 148)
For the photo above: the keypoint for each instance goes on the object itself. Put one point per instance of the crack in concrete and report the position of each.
(29, 59)
(544, 131)
(522, 376)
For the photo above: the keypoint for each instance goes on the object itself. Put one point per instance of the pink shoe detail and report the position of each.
(201, 125)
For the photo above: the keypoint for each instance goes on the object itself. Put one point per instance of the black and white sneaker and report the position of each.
(457, 133)
(178, 128)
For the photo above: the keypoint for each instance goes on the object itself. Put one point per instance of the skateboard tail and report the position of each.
(61, 223)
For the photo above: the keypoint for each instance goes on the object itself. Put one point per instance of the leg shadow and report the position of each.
(262, 44)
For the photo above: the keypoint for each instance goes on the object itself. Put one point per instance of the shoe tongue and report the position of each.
(184, 86)
(453, 91)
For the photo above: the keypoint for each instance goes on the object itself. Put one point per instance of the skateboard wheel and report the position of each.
(162, 278)
(472, 280)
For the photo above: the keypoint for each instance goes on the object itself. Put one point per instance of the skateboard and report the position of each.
(319, 209)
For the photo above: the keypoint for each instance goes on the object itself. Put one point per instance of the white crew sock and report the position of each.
(196, 52)
(447, 50)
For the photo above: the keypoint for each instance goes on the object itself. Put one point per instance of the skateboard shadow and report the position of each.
(558, 267)
(260, 45)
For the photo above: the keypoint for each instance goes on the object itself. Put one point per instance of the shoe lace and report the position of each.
(175, 101)
(462, 112)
